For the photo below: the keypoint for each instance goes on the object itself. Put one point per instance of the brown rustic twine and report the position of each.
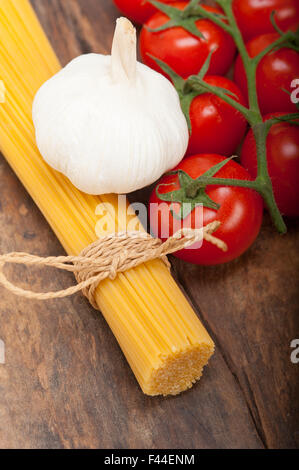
(107, 257)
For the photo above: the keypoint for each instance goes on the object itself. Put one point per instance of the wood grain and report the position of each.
(66, 384)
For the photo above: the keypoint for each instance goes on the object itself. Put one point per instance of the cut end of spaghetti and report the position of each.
(179, 372)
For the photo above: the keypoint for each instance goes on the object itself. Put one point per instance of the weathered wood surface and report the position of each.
(66, 384)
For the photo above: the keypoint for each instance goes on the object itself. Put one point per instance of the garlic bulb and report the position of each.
(110, 123)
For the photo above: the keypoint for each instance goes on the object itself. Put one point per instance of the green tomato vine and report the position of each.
(196, 85)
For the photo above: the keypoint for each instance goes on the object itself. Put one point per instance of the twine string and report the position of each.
(106, 258)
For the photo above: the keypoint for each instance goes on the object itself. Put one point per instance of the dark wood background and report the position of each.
(66, 384)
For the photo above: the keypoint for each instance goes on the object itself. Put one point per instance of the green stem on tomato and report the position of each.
(280, 41)
(230, 182)
(292, 118)
(189, 10)
(249, 66)
(263, 180)
(199, 10)
(198, 84)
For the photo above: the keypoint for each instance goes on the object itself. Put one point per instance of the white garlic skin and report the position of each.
(107, 135)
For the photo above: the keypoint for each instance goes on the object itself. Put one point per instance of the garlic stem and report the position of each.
(124, 51)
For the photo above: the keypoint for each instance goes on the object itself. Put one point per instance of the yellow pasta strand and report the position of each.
(159, 333)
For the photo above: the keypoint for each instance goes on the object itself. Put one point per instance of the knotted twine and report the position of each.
(105, 258)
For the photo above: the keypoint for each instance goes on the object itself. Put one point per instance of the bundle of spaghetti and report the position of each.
(162, 338)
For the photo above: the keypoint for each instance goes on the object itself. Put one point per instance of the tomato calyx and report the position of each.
(292, 119)
(185, 91)
(192, 192)
(177, 18)
(291, 37)
(193, 86)
(185, 19)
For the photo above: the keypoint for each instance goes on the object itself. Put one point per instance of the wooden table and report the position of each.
(66, 384)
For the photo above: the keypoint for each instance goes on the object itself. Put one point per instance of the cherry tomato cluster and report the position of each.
(217, 129)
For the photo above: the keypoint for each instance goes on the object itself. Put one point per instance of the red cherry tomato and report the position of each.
(182, 51)
(216, 126)
(240, 213)
(137, 10)
(253, 16)
(275, 72)
(283, 163)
